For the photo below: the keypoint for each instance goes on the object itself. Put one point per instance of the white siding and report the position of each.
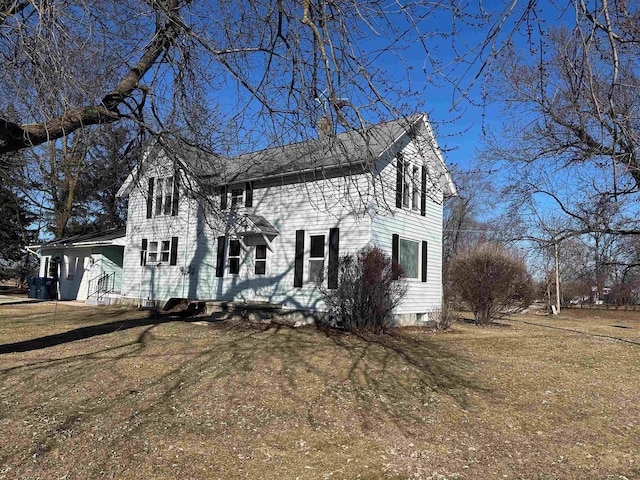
(315, 206)
(362, 206)
(422, 297)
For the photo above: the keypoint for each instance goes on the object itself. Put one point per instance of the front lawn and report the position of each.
(112, 393)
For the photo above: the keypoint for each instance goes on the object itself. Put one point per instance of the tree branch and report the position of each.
(15, 137)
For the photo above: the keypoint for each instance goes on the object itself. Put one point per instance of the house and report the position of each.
(82, 267)
(270, 226)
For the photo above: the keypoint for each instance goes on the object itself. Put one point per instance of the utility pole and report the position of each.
(557, 265)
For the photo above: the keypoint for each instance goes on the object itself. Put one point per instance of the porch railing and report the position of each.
(101, 285)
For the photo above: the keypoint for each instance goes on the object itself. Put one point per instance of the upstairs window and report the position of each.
(162, 196)
(415, 184)
(240, 195)
(406, 188)
(236, 196)
(410, 186)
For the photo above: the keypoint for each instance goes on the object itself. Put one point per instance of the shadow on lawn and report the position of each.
(400, 372)
(430, 365)
(327, 378)
(82, 333)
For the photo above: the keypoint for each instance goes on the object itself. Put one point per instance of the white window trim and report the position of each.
(265, 260)
(158, 252)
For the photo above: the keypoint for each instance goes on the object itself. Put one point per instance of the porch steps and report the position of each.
(112, 298)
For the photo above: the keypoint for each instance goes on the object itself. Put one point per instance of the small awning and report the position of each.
(252, 224)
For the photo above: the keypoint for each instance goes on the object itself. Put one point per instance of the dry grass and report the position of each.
(112, 393)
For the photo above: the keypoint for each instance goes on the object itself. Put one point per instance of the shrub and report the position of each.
(490, 279)
(368, 291)
(442, 318)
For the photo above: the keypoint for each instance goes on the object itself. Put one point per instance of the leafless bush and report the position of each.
(368, 291)
(442, 318)
(490, 279)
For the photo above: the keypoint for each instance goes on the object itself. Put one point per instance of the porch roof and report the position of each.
(113, 236)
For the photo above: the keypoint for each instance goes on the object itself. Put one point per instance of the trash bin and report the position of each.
(33, 287)
(48, 288)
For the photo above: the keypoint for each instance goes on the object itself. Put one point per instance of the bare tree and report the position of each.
(465, 220)
(575, 102)
(287, 65)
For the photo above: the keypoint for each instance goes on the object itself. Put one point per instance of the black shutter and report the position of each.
(395, 248)
(173, 259)
(399, 180)
(150, 198)
(424, 261)
(248, 194)
(423, 192)
(334, 247)
(299, 259)
(223, 198)
(176, 195)
(220, 257)
(143, 252)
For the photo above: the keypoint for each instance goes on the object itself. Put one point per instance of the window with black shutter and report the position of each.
(261, 260)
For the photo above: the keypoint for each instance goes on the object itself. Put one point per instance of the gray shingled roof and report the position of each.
(94, 237)
(355, 147)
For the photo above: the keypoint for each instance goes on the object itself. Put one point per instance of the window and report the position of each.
(152, 253)
(168, 194)
(163, 197)
(159, 188)
(236, 196)
(234, 257)
(164, 251)
(408, 185)
(408, 258)
(261, 260)
(316, 259)
(159, 252)
(406, 188)
(416, 189)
